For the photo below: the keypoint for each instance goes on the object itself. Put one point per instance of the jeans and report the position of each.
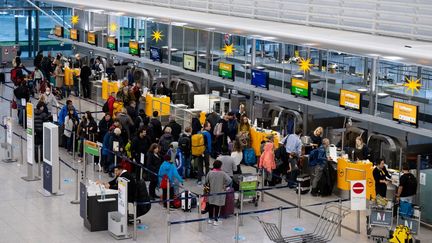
(152, 186)
(214, 211)
(317, 172)
(187, 167)
(69, 143)
(292, 178)
(203, 162)
(21, 112)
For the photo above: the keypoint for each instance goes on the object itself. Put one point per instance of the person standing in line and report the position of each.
(203, 161)
(407, 185)
(168, 176)
(237, 155)
(85, 74)
(267, 162)
(184, 144)
(317, 160)
(50, 100)
(70, 126)
(381, 177)
(59, 78)
(218, 181)
(153, 163)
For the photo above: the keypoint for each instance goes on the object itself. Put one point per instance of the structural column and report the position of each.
(372, 90)
(253, 52)
(30, 32)
(36, 33)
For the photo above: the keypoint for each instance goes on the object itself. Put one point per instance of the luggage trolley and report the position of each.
(249, 184)
(380, 221)
(411, 221)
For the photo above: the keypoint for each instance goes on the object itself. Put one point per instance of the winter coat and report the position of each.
(175, 129)
(218, 181)
(104, 128)
(140, 146)
(196, 125)
(153, 163)
(170, 170)
(39, 118)
(267, 159)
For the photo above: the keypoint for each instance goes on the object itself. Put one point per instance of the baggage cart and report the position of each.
(380, 221)
(248, 183)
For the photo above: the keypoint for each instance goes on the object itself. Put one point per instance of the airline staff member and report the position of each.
(119, 171)
(381, 177)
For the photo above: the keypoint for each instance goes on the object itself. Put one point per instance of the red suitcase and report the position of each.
(228, 209)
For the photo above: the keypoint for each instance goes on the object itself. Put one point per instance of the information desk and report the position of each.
(258, 136)
(108, 87)
(348, 171)
(93, 209)
(68, 75)
(160, 104)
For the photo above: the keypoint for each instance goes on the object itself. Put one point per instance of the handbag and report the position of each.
(14, 105)
(164, 182)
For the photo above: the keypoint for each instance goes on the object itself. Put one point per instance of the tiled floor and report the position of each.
(27, 216)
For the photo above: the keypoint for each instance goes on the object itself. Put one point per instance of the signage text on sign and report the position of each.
(226, 70)
(300, 87)
(189, 62)
(350, 100)
(91, 148)
(92, 38)
(406, 113)
(30, 133)
(134, 48)
(74, 34)
(112, 43)
(358, 195)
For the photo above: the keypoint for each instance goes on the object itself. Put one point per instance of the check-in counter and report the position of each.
(160, 104)
(348, 171)
(68, 75)
(94, 207)
(109, 87)
(257, 136)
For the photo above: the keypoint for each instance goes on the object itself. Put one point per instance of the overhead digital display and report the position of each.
(190, 62)
(405, 113)
(155, 54)
(260, 78)
(112, 43)
(350, 100)
(59, 31)
(74, 34)
(92, 38)
(134, 48)
(226, 70)
(300, 88)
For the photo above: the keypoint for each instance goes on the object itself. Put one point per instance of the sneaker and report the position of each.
(210, 221)
(199, 182)
(216, 223)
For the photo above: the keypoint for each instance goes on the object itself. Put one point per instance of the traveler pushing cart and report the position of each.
(248, 183)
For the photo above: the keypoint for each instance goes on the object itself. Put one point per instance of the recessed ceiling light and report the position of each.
(178, 24)
(256, 36)
(298, 75)
(362, 90)
(96, 10)
(116, 13)
(393, 58)
(3, 12)
(211, 29)
(268, 38)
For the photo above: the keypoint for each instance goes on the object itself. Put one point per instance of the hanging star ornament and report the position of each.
(157, 35)
(412, 84)
(229, 50)
(305, 64)
(113, 27)
(75, 19)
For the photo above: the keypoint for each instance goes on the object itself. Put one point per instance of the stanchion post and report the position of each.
(340, 215)
(280, 219)
(199, 213)
(76, 200)
(39, 147)
(241, 207)
(168, 231)
(73, 145)
(237, 228)
(22, 150)
(168, 198)
(135, 221)
(262, 184)
(298, 200)
(358, 221)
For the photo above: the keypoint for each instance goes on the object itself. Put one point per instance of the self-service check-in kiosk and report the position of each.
(51, 165)
(118, 220)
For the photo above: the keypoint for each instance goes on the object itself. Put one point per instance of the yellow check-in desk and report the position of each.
(68, 75)
(348, 171)
(109, 87)
(258, 136)
(160, 104)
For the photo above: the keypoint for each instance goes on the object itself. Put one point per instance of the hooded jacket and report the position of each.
(267, 159)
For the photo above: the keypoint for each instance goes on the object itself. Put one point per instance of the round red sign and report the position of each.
(358, 188)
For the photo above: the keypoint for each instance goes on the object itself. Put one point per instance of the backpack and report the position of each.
(142, 195)
(406, 209)
(412, 183)
(184, 144)
(218, 129)
(249, 156)
(105, 107)
(401, 234)
(198, 144)
(16, 73)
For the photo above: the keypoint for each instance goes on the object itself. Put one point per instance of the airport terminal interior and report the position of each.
(215, 121)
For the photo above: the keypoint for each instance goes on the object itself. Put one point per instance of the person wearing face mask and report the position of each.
(50, 100)
(70, 126)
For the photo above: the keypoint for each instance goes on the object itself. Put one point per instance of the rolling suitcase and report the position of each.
(304, 182)
(228, 209)
(186, 201)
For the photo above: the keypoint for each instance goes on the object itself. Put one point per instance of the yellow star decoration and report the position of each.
(229, 50)
(75, 19)
(413, 85)
(157, 35)
(305, 64)
(113, 27)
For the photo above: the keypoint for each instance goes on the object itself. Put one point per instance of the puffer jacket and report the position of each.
(267, 159)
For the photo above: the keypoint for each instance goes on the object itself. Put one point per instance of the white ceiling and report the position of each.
(343, 41)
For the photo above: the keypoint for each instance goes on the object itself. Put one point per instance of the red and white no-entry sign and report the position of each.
(358, 195)
(358, 188)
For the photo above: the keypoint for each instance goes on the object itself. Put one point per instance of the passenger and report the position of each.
(213, 118)
(117, 107)
(228, 164)
(219, 136)
(106, 149)
(64, 112)
(85, 74)
(82, 134)
(244, 131)
(381, 177)
(21, 92)
(139, 146)
(361, 151)
(37, 78)
(59, 78)
(92, 126)
(104, 126)
(131, 110)
(317, 160)
(165, 140)
(203, 162)
(196, 124)
(316, 137)
(293, 146)
(267, 162)
(155, 127)
(232, 126)
(126, 122)
(111, 100)
(407, 186)
(153, 163)
(70, 126)
(50, 100)
(125, 96)
(184, 144)
(141, 120)
(116, 138)
(237, 155)
(218, 181)
(40, 116)
(168, 173)
(175, 128)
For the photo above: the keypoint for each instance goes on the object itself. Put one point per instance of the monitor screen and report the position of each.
(47, 144)
(155, 54)
(134, 48)
(74, 34)
(405, 113)
(92, 38)
(226, 70)
(189, 62)
(350, 100)
(260, 78)
(112, 43)
(59, 31)
(300, 87)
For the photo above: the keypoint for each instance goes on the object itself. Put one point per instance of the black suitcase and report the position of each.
(304, 182)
